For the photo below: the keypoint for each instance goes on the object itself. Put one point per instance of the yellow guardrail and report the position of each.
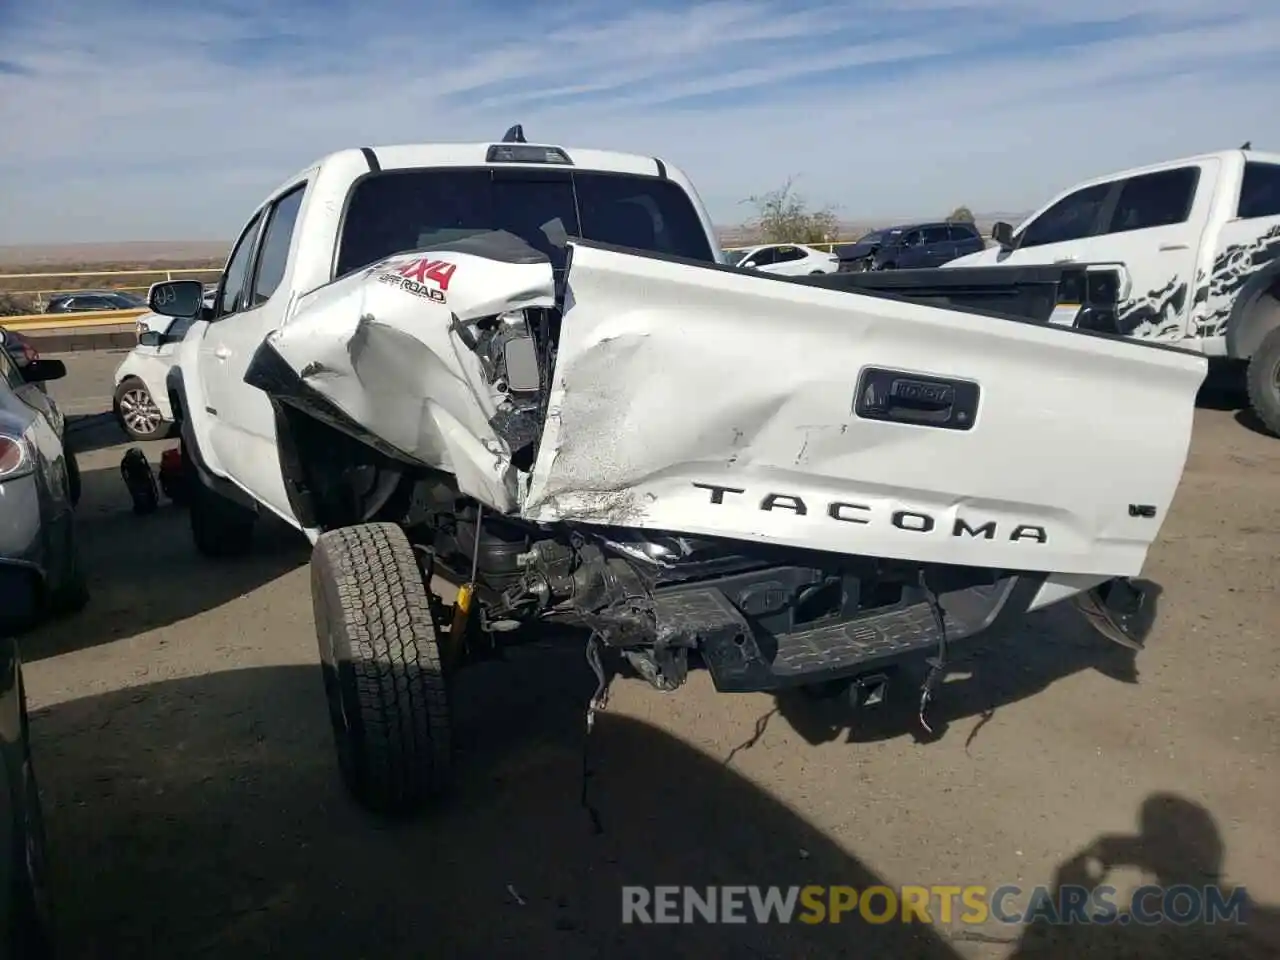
(109, 273)
(41, 295)
(60, 321)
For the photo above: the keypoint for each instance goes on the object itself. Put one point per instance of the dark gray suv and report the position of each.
(911, 246)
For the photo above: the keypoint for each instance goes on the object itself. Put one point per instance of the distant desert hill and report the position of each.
(148, 252)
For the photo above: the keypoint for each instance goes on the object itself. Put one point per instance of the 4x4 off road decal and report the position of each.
(1158, 315)
(422, 277)
(1232, 269)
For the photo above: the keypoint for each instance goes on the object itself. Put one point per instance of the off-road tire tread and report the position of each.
(1264, 399)
(387, 658)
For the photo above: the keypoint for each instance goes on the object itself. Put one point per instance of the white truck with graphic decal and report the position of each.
(1199, 240)
(522, 368)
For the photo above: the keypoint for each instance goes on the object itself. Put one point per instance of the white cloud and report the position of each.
(134, 124)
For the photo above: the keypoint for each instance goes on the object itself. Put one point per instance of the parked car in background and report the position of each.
(40, 570)
(911, 246)
(23, 353)
(82, 301)
(785, 259)
(1199, 242)
(141, 400)
(24, 903)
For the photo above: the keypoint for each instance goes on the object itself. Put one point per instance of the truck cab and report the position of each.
(1198, 239)
(355, 207)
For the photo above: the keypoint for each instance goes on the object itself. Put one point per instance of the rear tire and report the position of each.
(72, 594)
(1263, 381)
(219, 528)
(73, 475)
(380, 656)
(31, 929)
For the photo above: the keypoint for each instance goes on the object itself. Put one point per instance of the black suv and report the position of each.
(909, 246)
(83, 301)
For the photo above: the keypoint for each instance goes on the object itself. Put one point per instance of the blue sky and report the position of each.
(123, 122)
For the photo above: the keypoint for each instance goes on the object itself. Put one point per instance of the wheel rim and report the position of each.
(139, 411)
(1275, 377)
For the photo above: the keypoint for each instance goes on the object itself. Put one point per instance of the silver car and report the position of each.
(40, 569)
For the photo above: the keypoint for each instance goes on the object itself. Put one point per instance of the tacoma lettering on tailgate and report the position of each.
(913, 521)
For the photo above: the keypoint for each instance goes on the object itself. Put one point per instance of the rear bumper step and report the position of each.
(743, 660)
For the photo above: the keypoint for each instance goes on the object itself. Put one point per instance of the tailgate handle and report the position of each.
(898, 396)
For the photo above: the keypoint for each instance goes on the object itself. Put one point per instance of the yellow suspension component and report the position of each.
(461, 617)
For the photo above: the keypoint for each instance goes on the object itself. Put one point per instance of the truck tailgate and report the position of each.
(711, 401)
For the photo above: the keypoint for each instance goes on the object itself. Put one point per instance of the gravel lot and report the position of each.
(194, 808)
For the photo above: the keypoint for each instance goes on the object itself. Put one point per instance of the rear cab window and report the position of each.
(397, 211)
(1259, 191)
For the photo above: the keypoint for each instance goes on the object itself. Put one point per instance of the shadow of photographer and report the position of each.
(1179, 849)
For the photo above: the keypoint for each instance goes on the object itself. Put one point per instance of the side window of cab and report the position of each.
(233, 288)
(1074, 217)
(273, 251)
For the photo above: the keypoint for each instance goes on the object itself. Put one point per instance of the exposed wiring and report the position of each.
(936, 664)
(599, 701)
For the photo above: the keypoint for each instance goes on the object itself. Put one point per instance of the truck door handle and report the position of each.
(1166, 247)
(222, 353)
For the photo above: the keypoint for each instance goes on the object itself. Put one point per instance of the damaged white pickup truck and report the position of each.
(523, 369)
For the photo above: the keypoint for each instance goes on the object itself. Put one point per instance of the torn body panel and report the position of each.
(388, 346)
(722, 403)
(692, 399)
(678, 456)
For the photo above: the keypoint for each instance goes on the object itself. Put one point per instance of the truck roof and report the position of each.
(1228, 156)
(404, 156)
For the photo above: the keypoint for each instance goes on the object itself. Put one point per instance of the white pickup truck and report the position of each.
(523, 368)
(1199, 240)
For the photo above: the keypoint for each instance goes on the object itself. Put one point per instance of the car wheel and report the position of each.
(31, 930)
(137, 411)
(1263, 381)
(383, 678)
(72, 594)
(73, 475)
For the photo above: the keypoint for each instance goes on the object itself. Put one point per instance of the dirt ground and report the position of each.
(194, 808)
